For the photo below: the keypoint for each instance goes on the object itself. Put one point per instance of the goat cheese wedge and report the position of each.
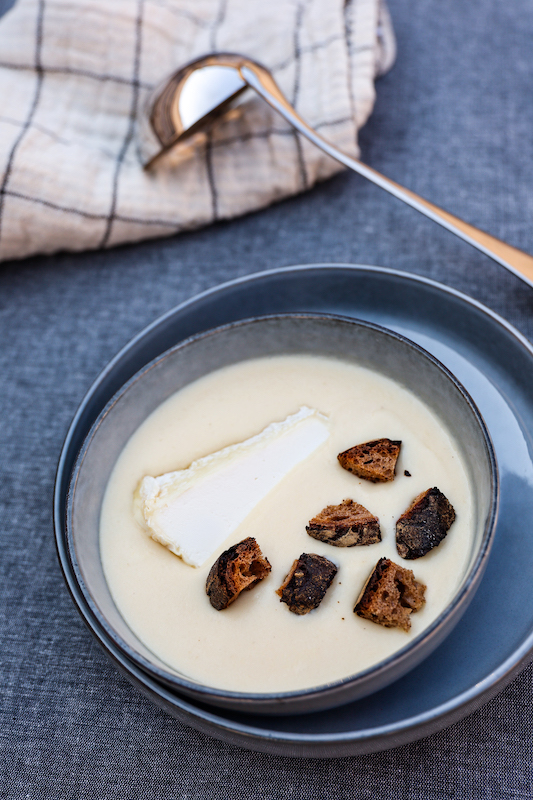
(193, 511)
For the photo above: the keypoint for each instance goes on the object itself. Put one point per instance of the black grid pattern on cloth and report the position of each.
(349, 47)
(85, 73)
(213, 26)
(131, 122)
(166, 223)
(209, 165)
(300, 51)
(301, 9)
(39, 76)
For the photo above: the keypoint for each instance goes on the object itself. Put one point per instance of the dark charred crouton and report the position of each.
(236, 570)
(424, 525)
(390, 595)
(374, 461)
(307, 582)
(345, 525)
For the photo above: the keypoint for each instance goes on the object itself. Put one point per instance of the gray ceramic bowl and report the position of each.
(363, 343)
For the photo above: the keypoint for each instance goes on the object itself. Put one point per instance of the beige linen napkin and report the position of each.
(75, 78)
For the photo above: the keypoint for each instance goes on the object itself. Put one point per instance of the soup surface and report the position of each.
(257, 644)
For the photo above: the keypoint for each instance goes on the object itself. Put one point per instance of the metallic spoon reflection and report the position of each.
(202, 91)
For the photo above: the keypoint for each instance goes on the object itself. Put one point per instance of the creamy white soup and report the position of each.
(257, 644)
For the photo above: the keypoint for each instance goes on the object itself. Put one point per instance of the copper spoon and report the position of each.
(199, 92)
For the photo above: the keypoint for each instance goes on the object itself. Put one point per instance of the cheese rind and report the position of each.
(194, 510)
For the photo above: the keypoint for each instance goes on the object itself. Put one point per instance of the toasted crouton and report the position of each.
(390, 595)
(424, 525)
(345, 525)
(374, 461)
(306, 584)
(238, 569)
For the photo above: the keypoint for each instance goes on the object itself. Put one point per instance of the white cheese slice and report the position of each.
(194, 510)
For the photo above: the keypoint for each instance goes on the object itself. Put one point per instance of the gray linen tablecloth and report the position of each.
(453, 122)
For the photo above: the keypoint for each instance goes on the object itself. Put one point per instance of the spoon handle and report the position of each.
(509, 257)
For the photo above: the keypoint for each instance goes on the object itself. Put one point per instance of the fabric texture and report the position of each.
(453, 123)
(76, 80)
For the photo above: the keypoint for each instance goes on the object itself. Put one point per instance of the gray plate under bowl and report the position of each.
(494, 638)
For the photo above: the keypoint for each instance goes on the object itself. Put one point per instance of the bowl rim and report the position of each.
(208, 694)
